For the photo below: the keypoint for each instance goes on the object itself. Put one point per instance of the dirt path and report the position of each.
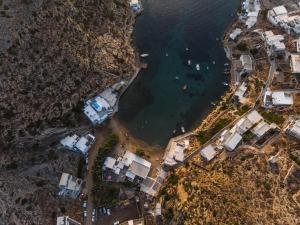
(101, 135)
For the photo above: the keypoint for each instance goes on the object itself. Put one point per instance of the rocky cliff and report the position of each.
(53, 55)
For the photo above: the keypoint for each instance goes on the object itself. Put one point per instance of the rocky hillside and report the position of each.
(241, 189)
(56, 53)
(53, 55)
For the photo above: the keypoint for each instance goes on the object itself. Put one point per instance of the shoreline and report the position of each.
(206, 119)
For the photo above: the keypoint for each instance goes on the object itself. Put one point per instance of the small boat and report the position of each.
(207, 67)
(144, 55)
(182, 129)
(226, 72)
(167, 54)
(214, 62)
(198, 67)
(184, 87)
(226, 64)
(187, 49)
(176, 78)
(225, 84)
(174, 131)
(217, 39)
(189, 62)
(212, 103)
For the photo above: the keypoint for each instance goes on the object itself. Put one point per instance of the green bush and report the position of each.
(173, 179)
(140, 152)
(242, 110)
(204, 136)
(273, 117)
(242, 47)
(102, 192)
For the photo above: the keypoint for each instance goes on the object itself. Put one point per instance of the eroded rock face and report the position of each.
(58, 53)
(53, 55)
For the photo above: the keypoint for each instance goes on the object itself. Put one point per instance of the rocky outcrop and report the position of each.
(53, 55)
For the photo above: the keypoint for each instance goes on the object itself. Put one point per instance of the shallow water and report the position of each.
(173, 32)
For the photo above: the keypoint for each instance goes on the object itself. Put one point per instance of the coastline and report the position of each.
(208, 119)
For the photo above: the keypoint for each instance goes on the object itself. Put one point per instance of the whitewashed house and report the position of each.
(293, 129)
(233, 141)
(295, 63)
(278, 98)
(263, 128)
(78, 144)
(208, 153)
(70, 186)
(246, 63)
(65, 220)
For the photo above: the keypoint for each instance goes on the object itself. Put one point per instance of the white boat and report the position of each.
(182, 129)
(212, 103)
(167, 54)
(176, 78)
(226, 84)
(187, 49)
(144, 55)
(207, 67)
(214, 62)
(197, 67)
(189, 62)
(226, 64)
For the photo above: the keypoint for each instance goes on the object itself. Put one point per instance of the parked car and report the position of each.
(117, 222)
(104, 211)
(93, 218)
(94, 212)
(84, 204)
(108, 211)
(85, 213)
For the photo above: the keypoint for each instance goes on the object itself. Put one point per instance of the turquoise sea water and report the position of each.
(155, 105)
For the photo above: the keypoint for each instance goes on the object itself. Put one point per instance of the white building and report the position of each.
(275, 42)
(295, 63)
(233, 141)
(176, 152)
(251, 10)
(298, 45)
(79, 144)
(70, 186)
(246, 63)
(293, 129)
(240, 93)
(243, 125)
(137, 166)
(132, 165)
(65, 220)
(208, 153)
(262, 129)
(278, 98)
(254, 117)
(110, 163)
(135, 5)
(235, 33)
(97, 110)
(279, 16)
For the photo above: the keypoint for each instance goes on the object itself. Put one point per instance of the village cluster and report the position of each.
(249, 129)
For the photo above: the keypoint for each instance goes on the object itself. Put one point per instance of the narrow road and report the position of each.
(101, 135)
